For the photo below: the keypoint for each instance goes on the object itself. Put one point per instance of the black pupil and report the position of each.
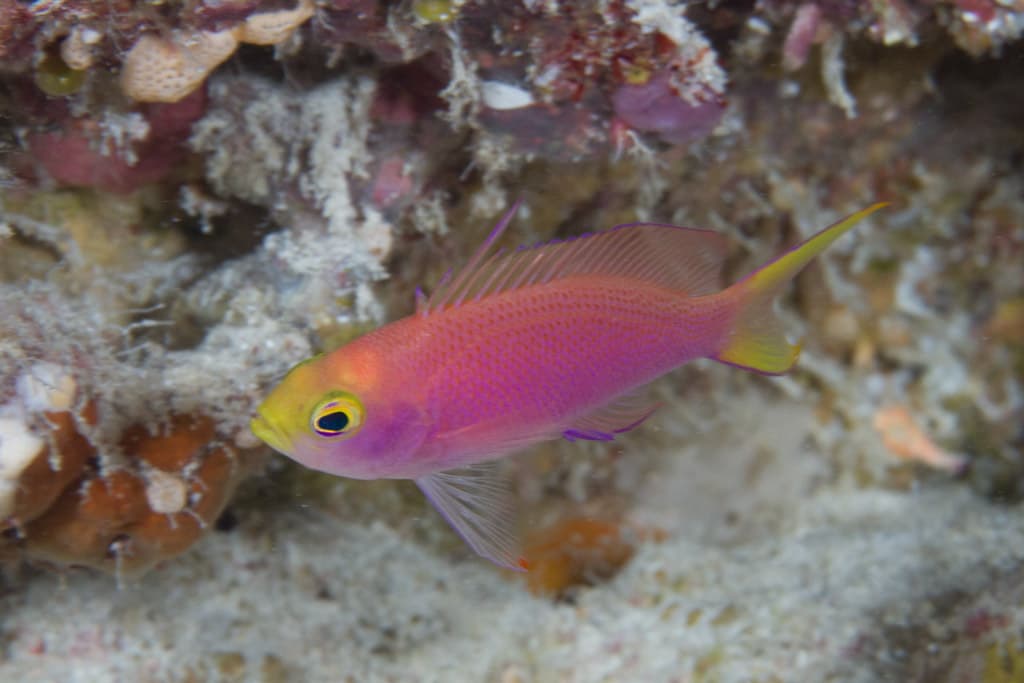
(332, 422)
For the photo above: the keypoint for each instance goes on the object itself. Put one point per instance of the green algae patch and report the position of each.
(54, 77)
(706, 665)
(1004, 662)
(434, 11)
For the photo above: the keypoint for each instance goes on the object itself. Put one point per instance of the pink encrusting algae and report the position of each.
(547, 341)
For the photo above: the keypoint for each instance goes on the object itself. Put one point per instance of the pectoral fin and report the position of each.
(477, 502)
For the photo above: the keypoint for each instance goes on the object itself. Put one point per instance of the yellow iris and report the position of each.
(339, 414)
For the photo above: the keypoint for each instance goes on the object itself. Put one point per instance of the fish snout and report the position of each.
(266, 432)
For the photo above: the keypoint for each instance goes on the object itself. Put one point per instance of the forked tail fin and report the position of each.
(757, 341)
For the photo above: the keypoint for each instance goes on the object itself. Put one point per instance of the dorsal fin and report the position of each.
(449, 286)
(685, 259)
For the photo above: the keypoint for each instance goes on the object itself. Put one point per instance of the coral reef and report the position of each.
(126, 519)
(168, 69)
(78, 487)
(195, 196)
(579, 551)
(120, 152)
(977, 26)
(294, 595)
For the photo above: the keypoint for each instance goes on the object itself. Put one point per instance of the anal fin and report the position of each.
(621, 415)
(477, 502)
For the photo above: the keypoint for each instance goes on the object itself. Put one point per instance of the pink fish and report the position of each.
(544, 342)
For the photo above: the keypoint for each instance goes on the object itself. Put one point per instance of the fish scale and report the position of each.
(524, 345)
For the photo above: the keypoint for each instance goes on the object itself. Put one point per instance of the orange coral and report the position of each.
(81, 525)
(577, 551)
(56, 466)
(174, 449)
(905, 439)
(126, 518)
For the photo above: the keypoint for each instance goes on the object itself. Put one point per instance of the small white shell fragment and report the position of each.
(168, 68)
(271, 28)
(166, 493)
(18, 448)
(77, 49)
(46, 387)
(245, 439)
(759, 25)
(90, 36)
(503, 96)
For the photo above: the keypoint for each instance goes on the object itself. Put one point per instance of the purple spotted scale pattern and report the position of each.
(542, 356)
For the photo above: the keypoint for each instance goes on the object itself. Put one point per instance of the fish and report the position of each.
(555, 340)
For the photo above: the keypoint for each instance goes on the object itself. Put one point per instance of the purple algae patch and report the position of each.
(657, 107)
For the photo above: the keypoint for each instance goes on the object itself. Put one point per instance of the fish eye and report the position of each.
(332, 423)
(337, 415)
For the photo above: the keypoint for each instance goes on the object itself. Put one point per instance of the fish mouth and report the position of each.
(268, 434)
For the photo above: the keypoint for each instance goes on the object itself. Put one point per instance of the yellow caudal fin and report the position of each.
(757, 341)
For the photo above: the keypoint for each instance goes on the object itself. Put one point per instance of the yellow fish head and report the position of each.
(337, 413)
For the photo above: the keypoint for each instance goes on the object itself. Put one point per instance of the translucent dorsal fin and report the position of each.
(449, 288)
(684, 259)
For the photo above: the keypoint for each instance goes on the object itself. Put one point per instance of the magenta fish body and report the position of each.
(538, 362)
(523, 347)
